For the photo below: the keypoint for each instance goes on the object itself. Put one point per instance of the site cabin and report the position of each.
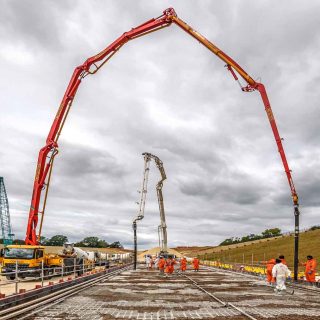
(27, 261)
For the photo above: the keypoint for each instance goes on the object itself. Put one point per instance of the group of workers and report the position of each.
(278, 272)
(167, 266)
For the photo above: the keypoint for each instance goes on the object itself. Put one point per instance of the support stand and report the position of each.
(296, 243)
(134, 226)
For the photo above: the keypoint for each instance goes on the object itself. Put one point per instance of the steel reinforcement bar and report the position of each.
(225, 304)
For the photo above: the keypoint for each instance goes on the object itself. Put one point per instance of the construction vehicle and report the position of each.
(88, 258)
(91, 66)
(29, 260)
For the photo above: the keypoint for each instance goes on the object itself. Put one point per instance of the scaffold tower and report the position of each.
(6, 229)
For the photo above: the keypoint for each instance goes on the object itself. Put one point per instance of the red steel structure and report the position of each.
(91, 66)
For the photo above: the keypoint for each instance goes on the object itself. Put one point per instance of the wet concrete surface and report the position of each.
(144, 294)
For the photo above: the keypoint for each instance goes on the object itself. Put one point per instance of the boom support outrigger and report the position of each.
(91, 66)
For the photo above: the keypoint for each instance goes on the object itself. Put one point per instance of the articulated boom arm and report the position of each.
(91, 66)
(163, 238)
(144, 189)
(50, 150)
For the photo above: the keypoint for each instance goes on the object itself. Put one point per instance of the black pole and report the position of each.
(296, 242)
(134, 225)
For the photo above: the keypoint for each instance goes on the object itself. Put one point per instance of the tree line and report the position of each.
(59, 240)
(268, 233)
(90, 242)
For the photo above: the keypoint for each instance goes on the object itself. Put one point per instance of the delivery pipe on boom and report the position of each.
(91, 66)
(162, 229)
(142, 204)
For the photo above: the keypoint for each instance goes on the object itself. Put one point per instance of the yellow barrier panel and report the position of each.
(254, 269)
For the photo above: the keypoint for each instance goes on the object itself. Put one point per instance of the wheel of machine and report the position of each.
(10, 277)
(47, 274)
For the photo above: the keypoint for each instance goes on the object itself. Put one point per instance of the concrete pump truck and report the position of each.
(30, 255)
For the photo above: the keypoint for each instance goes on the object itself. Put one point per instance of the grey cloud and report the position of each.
(34, 25)
(85, 160)
(165, 94)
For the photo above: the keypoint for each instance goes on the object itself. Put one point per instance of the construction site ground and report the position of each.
(144, 294)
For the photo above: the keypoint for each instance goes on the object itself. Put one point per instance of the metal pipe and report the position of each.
(296, 243)
(134, 225)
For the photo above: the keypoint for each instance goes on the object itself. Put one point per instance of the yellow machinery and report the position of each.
(28, 261)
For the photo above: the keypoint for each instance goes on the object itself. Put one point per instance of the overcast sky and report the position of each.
(165, 94)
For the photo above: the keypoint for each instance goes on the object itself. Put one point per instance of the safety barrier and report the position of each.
(251, 269)
(42, 274)
(54, 289)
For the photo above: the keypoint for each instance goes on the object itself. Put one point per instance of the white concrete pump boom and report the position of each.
(162, 228)
(144, 189)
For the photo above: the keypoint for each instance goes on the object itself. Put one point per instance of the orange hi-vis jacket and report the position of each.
(183, 264)
(270, 264)
(161, 263)
(170, 265)
(310, 271)
(195, 263)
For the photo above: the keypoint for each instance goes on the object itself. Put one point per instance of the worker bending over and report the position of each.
(195, 263)
(183, 264)
(280, 272)
(310, 270)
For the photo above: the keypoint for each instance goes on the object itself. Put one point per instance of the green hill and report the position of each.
(265, 249)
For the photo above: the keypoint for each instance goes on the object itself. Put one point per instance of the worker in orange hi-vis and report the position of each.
(169, 266)
(195, 263)
(270, 264)
(310, 271)
(283, 260)
(183, 264)
(161, 265)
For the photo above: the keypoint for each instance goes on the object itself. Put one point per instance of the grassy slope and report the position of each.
(264, 249)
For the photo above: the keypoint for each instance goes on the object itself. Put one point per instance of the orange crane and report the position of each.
(90, 67)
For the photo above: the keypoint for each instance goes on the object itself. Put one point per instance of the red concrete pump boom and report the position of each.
(91, 66)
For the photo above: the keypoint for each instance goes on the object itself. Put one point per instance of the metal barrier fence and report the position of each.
(41, 274)
(254, 269)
